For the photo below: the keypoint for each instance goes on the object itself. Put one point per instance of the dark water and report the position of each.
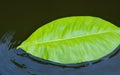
(18, 62)
(24, 17)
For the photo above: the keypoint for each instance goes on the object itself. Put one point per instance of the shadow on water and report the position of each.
(18, 62)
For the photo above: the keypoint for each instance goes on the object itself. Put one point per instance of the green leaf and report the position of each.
(73, 40)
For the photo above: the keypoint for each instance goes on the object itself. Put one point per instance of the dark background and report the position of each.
(24, 17)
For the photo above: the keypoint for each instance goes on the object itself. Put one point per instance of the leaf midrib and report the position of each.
(72, 37)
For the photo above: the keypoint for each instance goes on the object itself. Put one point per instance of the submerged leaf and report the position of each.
(73, 40)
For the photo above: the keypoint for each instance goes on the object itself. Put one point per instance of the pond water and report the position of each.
(18, 62)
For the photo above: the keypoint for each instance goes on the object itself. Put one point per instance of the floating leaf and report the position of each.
(73, 40)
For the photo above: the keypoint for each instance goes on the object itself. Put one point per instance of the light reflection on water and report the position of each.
(18, 62)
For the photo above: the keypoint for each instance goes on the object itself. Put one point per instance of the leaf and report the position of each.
(73, 40)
